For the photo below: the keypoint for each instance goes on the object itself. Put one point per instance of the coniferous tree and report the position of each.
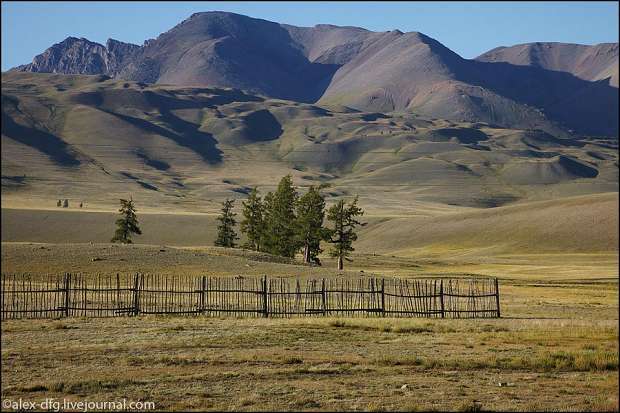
(65, 204)
(343, 234)
(267, 214)
(127, 223)
(310, 231)
(59, 203)
(226, 235)
(253, 224)
(280, 231)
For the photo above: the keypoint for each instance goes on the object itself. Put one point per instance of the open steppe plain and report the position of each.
(554, 349)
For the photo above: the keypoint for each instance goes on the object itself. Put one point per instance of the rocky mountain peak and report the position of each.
(364, 70)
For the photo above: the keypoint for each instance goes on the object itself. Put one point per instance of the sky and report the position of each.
(468, 28)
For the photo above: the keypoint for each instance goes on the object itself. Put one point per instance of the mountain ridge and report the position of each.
(365, 70)
(554, 58)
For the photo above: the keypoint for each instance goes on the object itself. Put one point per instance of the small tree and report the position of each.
(253, 224)
(65, 204)
(127, 223)
(226, 235)
(343, 234)
(310, 231)
(59, 203)
(280, 231)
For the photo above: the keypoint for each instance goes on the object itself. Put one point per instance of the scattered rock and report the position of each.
(505, 384)
(96, 259)
(404, 387)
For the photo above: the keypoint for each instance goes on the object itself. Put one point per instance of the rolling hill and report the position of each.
(94, 139)
(361, 69)
(583, 224)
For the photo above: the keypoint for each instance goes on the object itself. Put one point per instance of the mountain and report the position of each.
(593, 63)
(371, 71)
(96, 139)
(81, 56)
(350, 66)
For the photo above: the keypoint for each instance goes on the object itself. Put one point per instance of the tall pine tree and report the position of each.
(310, 232)
(253, 224)
(226, 235)
(280, 231)
(127, 223)
(343, 234)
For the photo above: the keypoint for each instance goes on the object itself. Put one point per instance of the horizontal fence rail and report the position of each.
(75, 295)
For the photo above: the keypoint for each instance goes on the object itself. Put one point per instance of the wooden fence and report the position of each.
(74, 295)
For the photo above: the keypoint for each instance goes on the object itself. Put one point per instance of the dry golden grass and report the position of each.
(584, 224)
(42, 258)
(556, 346)
(316, 364)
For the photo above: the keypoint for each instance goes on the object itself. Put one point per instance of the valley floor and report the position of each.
(316, 364)
(555, 348)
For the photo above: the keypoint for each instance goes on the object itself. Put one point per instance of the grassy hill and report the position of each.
(576, 224)
(92, 139)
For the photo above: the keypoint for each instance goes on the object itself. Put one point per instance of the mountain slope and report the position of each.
(354, 67)
(598, 62)
(229, 50)
(95, 139)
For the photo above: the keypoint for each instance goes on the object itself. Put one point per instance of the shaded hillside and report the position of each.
(95, 139)
(598, 62)
(357, 68)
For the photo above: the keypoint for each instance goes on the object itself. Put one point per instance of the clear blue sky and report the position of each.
(468, 28)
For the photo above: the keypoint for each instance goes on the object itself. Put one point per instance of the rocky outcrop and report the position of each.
(81, 56)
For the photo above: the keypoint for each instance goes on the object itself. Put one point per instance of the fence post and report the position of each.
(67, 283)
(497, 297)
(443, 310)
(118, 292)
(136, 297)
(382, 297)
(202, 295)
(265, 306)
(323, 299)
